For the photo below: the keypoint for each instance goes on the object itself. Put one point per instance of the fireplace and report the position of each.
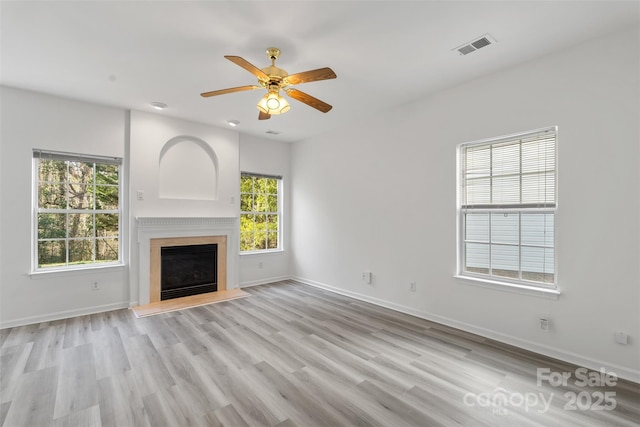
(188, 270)
(157, 232)
(182, 266)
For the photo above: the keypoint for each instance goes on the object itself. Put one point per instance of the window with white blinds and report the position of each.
(507, 205)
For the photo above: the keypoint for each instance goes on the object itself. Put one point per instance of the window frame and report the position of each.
(39, 155)
(279, 213)
(519, 285)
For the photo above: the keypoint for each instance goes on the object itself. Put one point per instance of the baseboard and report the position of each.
(49, 317)
(264, 281)
(576, 359)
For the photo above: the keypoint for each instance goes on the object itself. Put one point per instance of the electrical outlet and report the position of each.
(366, 276)
(260, 265)
(140, 195)
(95, 286)
(622, 338)
(412, 286)
(544, 324)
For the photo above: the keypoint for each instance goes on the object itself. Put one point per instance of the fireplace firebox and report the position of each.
(156, 245)
(188, 270)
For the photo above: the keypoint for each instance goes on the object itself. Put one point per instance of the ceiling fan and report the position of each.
(273, 79)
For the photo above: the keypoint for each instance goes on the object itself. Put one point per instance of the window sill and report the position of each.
(264, 252)
(534, 291)
(41, 274)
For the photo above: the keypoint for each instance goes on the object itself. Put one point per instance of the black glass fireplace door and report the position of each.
(188, 270)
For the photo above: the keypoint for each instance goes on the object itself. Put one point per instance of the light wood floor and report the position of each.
(289, 355)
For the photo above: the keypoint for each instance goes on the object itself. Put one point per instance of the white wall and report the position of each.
(150, 133)
(269, 157)
(31, 120)
(380, 196)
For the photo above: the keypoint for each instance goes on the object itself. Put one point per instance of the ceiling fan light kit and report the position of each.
(273, 103)
(273, 79)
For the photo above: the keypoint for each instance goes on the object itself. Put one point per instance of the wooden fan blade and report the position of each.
(309, 100)
(310, 76)
(261, 75)
(229, 90)
(263, 116)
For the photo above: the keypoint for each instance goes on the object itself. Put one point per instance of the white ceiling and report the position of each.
(385, 53)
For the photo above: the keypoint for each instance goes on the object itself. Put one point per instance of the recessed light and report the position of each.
(233, 123)
(158, 105)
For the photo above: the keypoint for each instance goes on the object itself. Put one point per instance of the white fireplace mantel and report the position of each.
(162, 227)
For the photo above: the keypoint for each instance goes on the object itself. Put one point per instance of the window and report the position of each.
(76, 211)
(260, 215)
(507, 203)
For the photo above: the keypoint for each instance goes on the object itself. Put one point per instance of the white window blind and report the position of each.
(516, 172)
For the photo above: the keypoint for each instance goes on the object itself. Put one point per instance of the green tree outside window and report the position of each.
(77, 212)
(259, 212)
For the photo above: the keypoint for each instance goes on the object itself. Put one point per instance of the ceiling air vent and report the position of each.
(273, 132)
(475, 44)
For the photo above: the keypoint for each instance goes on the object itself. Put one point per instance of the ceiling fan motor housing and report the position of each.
(275, 74)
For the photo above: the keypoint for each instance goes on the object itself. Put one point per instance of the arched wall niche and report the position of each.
(188, 169)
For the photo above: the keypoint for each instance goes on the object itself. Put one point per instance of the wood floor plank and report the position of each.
(163, 410)
(4, 334)
(147, 366)
(412, 415)
(444, 407)
(109, 353)
(159, 335)
(287, 423)
(127, 325)
(20, 335)
(199, 390)
(13, 361)
(300, 405)
(34, 399)
(320, 360)
(227, 416)
(345, 399)
(290, 356)
(227, 344)
(267, 350)
(47, 348)
(242, 317)
(89, 417)
(268, 313)
(240, 389)
(4, 409)
(364, 369)
(100, 320)
(77, 331)
(77, 384)
(121, 402)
